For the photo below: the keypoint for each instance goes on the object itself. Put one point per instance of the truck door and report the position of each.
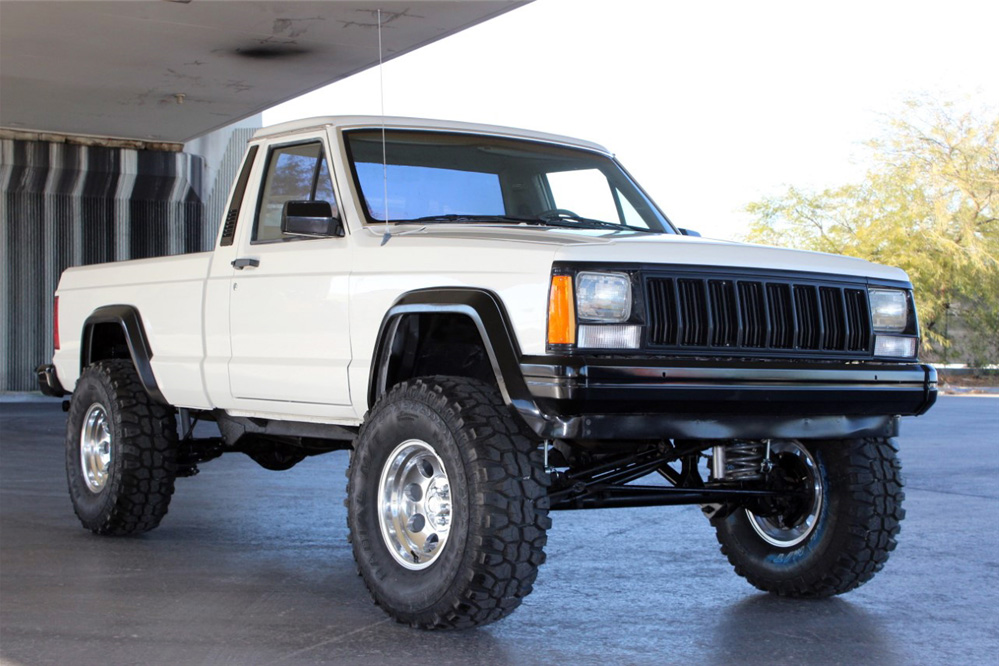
(288, 302)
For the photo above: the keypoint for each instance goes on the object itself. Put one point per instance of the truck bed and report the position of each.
(168, 291)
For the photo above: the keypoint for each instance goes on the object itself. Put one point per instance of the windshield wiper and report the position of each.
(563, 219)
(464, 217)
(546, 220)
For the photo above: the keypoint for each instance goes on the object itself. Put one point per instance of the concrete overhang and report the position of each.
(173, 70)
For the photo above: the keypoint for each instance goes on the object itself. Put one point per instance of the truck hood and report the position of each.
(609, 246)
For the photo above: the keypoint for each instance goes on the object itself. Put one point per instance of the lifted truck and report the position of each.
(497, 324)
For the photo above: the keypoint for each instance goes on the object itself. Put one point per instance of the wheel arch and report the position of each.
(485, 310)
(120, 324)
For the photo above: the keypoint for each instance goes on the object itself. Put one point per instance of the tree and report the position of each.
(928, 204)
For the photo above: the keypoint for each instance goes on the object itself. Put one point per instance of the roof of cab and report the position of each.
(353, 122)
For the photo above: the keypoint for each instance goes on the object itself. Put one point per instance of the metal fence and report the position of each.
(67, 205)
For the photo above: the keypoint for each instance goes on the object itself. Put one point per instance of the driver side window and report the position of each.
(294, 173)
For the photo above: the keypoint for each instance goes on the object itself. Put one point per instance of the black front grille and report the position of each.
(756, 314)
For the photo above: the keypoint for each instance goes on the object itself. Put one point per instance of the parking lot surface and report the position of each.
(253, 567)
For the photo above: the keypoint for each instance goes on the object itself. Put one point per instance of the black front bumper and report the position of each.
(614, 398)
(48, 381)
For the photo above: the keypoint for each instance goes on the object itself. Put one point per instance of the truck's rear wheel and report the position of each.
(839, 531)
(121, 451)
(447, 507)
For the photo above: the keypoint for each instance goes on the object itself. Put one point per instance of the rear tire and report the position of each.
(447, 504)
(121, 451)
(857, 510)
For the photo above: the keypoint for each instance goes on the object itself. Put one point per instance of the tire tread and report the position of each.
(871, 477)
(508, 483)
(143, 490)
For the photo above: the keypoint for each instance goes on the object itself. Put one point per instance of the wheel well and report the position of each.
(116, 332)
(441, 343)
(107, 341)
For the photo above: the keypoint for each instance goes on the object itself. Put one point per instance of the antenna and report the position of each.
(381, 93)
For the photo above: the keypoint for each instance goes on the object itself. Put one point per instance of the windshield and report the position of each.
(469, 178)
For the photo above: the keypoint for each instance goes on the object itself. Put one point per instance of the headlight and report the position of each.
(603, 297)
(889, 310)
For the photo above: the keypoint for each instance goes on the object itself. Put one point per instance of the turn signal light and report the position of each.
(561, 312)
(894, 345)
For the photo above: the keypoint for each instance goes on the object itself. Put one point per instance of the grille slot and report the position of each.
(834, 317)
(693, 313)
(723, 314)
(663, 317)
(756, 314)
(781, 316)
(858, 320)
(806, 306)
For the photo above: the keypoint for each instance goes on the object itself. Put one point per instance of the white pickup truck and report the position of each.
(496, 323)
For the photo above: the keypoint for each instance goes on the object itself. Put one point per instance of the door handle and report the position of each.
(243, 262)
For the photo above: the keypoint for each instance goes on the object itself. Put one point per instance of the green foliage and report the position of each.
(929, 205)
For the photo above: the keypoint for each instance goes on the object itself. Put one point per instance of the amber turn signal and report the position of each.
(561, 312)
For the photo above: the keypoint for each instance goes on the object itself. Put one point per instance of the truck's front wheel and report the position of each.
(121, 451)
(447, 506)
(838, 530)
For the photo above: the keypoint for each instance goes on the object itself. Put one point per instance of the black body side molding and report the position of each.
(493, 324)
(127, 317)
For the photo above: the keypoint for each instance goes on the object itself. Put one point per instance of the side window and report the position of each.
(294, 173)
(324, 186)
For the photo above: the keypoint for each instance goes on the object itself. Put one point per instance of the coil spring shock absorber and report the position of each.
(738, 461)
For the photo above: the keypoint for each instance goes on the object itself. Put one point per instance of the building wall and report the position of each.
(223, 152)
(63, 205)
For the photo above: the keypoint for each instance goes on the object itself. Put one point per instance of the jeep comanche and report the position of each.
(496, 324)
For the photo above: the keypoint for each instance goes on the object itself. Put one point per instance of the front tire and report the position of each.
(121, 451)
(447, 504)
(838, 537)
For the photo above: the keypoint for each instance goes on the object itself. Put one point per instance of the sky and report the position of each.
(709, 105)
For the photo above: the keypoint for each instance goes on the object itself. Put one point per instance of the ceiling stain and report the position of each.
(271, 51)
(238, 86)
(181, 76)
(138, 99)
(388, 17)
(294, 27)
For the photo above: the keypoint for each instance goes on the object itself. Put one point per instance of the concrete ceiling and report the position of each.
(162, 70)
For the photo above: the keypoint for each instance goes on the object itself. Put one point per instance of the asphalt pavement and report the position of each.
(253, 567)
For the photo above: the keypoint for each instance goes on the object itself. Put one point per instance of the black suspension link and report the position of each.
(607, 483)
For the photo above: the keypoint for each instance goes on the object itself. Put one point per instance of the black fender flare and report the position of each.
(486, 311)
(128, 318)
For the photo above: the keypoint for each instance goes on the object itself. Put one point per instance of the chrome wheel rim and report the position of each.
(414, 504)
(777, 531)
(95, 447)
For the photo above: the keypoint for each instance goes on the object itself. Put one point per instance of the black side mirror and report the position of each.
(314, 219)
(688, 232)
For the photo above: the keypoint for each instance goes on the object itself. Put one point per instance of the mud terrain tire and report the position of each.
(121, 451)
(492, 543)
(855, 530)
